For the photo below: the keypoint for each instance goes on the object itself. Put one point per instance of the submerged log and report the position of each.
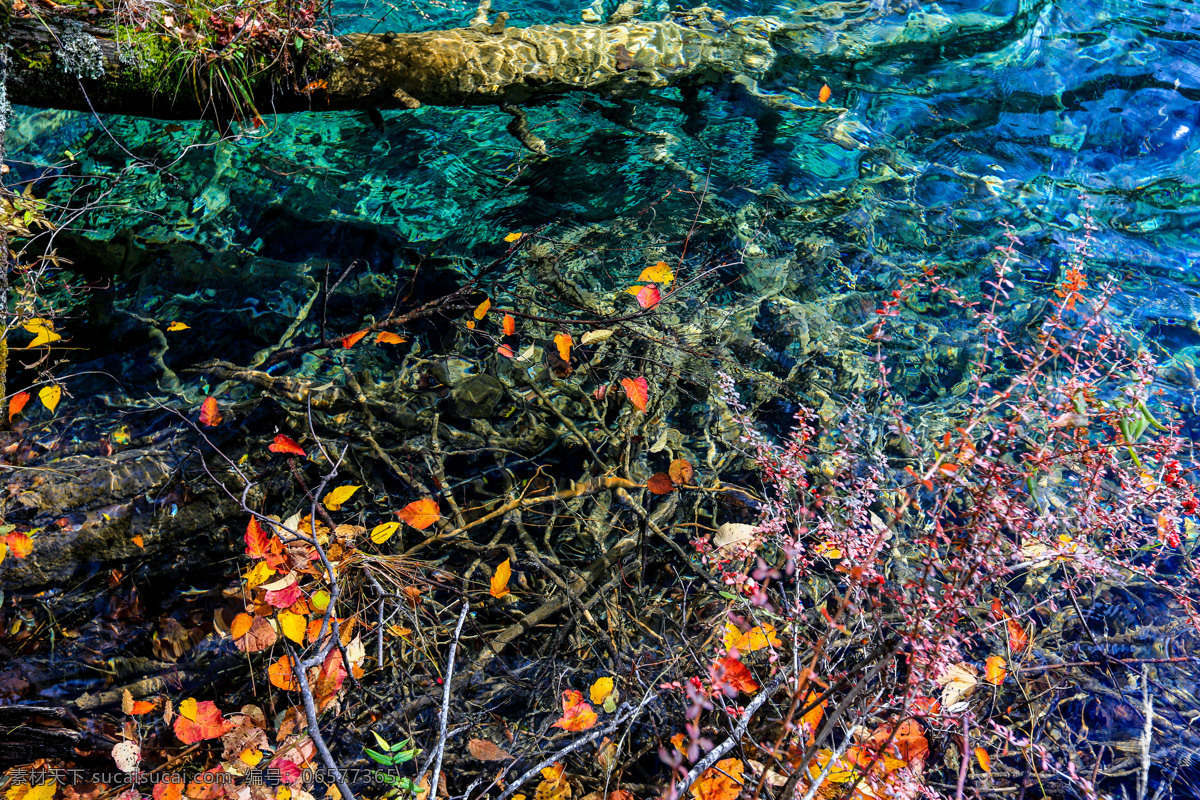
(62, 63)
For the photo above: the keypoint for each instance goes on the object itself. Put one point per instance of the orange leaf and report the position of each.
(578, 714)
(240, 625)
(721, 782)
(660, 273)
(732, 672)
(500, 579)
(510, 325)
(210, 414)
(995, 670)
(19, 544)
(139, 541)
(387, 337)
(421, 513)
(140, 707)
(204, 722)
(17, 402)
(825, 94)
(984, 759)
(506, 351)
(285, 444)
(258, 637)
(812, 718)
(353, 339)
(660, 483)
(649, 296)
(259, 543)
(1018, 638)
(681, 471)
(563, 342)
(280, 674)
(638, 392)
(481, 310)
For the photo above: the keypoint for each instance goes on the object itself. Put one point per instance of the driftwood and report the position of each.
(475, 66)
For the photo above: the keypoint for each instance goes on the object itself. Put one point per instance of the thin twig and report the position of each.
(449, 679)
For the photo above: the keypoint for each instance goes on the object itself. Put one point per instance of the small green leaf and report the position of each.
(383, 743)
(378, 758)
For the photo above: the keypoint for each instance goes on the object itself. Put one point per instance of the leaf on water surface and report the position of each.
(285, 444)
(353, 339)
(210, 412)
(50, 395)
(638, 392)
(17, 403)
(340, 496)
(660, 483)
(387, 337)
(178, 326)
(481, 310)
(578, 714)
(681, 471)
(421, 513)
(500, 577)
(563, 342)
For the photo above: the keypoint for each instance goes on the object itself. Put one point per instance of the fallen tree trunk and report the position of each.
(61, 63)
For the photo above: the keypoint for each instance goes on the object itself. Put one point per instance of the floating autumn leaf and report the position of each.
(139, 541)
(134, 708)
(825, 94)
(387, 337)
(1018, 637)
(210, 413)
(500, 578)
(421, 513)
(293, 625)
(199, 721)
(281, 676)
(258, 636)
(512, 237)
(985, 761)
(320, 600)
(353, 339)
(554, 785)
(756, 638)
(126, 755)
(957, 682)
(578, 714)
(733, 673)
(284, 597)
(121, 435)
(660, 273)
(481, 310)
(43, 332)
(50, 395)
(19, 544)
(258, 575)
(660, 483)
(995, 670)
(509, 325)
(340, 496)
(601, 690)
(240, 625)
(720, 782)
(563, 342)
(595, 336)
(17, 403)
(381, 533)
(178, 326)
(484, 750)
(638, 392)
(681, 472)
(285, 444)
(506, 351)
(258, 541)
(649, 296)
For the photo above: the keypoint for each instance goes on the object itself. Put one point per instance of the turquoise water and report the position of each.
(920, 156)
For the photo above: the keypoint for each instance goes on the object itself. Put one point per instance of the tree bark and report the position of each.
(65, 64)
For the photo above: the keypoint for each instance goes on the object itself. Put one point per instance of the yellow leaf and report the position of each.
(179, 326)
(293, 626)
(512, 237)
(563, 342)
(481, 310)
(259, 575)
(995, 670)
(601, 689)
(320, 600)
(381, 533)
(189, 708)
(660, 273)
(25, 791)
(756, 638)
(44, 336)
(500, 579)
(50, 395)
(251, 756)
(120, 435)
(335, 499)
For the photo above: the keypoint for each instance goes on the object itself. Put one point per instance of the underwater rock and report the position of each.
(477, 397)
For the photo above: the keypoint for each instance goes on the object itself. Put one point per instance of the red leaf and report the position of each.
(660, 483)
(649, 296)
(17, 402)
(258, 541)
(1018, 638)
(210, 414)
(577, 714)
(638, 392)
(353, 339)
(285, 444)
(283, 598)
(205, 723)
(733, 673)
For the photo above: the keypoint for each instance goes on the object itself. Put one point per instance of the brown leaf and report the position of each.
(484, 750)
(660, 483)
(681, 471)
(259, 636)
